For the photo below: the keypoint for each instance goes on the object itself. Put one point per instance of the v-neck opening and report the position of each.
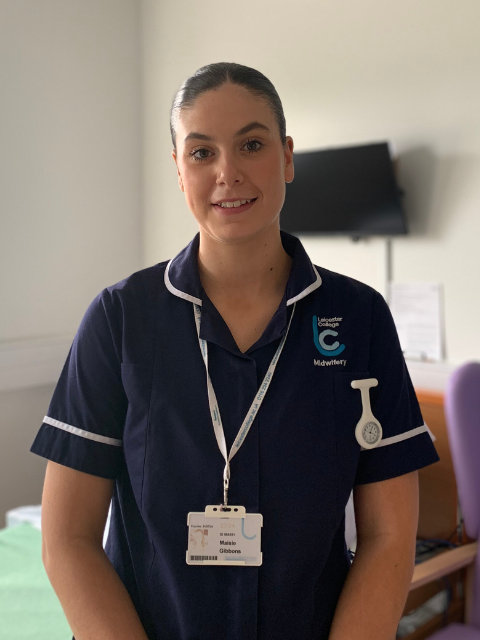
(214, 328)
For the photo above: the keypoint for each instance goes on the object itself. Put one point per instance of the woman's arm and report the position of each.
(374, 594)
(94, 599)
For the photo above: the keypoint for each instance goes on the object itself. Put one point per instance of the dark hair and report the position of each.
(213, 76)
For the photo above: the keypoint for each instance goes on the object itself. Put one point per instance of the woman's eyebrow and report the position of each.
(240, 132)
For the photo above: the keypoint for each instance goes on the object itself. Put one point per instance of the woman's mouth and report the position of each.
(233, 210)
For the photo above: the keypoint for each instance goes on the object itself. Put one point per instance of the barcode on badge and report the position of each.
(199, 558)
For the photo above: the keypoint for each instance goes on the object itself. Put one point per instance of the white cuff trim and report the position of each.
(401, 436)
(81, 432)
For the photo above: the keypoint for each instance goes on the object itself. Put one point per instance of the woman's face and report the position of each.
(231, 164)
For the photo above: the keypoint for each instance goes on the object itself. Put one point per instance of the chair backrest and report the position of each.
(462, 413)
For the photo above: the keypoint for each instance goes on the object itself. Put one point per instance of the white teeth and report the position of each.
(237, 203)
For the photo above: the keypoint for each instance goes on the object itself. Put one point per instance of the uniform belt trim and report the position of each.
(81, 432)
(401, 436)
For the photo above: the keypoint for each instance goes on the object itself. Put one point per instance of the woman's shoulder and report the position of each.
(143, 283)
(145, 277)
(129, 298)
(342, 285)
(127, 311)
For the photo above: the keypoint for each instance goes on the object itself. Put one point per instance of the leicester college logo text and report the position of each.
(333, 349)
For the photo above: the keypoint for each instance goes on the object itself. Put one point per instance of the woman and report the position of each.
(135, 417)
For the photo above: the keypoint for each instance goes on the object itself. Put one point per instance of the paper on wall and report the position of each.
(417, 312)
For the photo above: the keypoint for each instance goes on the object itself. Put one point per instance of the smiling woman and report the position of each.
(230, 147)
(195, 392)
(234, 184)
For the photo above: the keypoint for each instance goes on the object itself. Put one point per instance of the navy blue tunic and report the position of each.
(131, 405)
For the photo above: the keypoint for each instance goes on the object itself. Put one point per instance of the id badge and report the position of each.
(228, 538)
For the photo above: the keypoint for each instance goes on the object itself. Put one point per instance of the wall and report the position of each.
(21, 472)
(71, 162)
(70, 198)
(347, 72)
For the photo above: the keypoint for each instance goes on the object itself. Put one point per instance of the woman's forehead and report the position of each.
(224, 111)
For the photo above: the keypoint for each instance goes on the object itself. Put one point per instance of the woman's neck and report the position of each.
(257, 267)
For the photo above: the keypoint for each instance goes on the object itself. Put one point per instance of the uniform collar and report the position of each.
(182, 278)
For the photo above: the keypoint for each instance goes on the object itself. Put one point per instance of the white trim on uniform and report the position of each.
(81, 432)
(186, 296)
(176, 291)
(308, 290)
(401, 436)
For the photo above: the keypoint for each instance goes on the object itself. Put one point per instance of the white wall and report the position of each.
(70, 159)
(70, 198)
(347, 72)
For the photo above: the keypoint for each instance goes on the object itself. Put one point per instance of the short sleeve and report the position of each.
(406, 443)
(84, 425)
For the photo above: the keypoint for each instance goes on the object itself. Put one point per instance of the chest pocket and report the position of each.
(348, 411)
(137, 381)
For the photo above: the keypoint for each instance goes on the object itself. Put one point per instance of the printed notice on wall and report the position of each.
(417, 311)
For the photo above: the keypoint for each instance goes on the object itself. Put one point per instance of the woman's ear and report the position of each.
(180, 181)
(288, 151)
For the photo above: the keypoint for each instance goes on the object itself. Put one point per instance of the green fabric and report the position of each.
(29, 607)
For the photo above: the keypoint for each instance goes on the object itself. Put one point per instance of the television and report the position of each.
(344, 191)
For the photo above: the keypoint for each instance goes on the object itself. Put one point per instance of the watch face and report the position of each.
(371, 432)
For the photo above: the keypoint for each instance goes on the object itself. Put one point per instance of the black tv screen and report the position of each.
(347, 190)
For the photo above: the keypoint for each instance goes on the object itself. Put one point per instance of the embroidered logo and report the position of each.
(326, 349)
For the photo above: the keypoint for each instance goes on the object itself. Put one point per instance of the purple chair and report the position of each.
(462, 412)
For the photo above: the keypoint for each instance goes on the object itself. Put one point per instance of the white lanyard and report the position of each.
(215, 412)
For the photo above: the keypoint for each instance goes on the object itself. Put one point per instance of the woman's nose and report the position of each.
(228, 170)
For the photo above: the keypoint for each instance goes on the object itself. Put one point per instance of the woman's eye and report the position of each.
(195, 151)
(249, 142)
(254, 142)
